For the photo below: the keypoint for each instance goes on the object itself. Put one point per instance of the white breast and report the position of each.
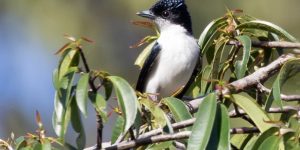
(177, 60)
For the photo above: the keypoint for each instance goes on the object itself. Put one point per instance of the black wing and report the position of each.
(149, 65)
(196, 70)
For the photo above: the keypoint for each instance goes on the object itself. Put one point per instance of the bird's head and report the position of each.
(166, 13)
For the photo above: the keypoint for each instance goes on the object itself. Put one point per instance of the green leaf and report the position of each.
(20, 142)
(99, 104)
(250, 143)
(271, 143)
(108, 88)
(220, 136)
(220, 46)
(255, 112)
(160, 146)
(178, 109)
(77, 125)
(241, 66)
(168, 128)
(156, 111)
(270, 132)
(267, 26)
(62, 102)
(143, 55)
(289, 69)
(82, 93)
(224, 142)
(203, 125)
(60, 119)
(117, 129)
(46, 145)
(127, 100)
(55, 79)
(209, 31)
(205, 78)
(70, 58)
(241, 140)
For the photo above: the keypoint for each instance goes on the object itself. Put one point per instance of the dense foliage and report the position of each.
(232, 48)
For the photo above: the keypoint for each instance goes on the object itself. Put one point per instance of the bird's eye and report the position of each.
(165, 14)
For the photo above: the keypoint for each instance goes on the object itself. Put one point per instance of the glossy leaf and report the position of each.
(55, 79)
(82, 93)
(62, 102)
(220, 136)
(209, 31)
(99, 104)
(220, 46)
(178, 109)
(168, 127)
(224, 142)
(250, 143)
(118, 129)
(46, 145)
(70, 59)
(254, 111)
(271, 143)
(241, 66)
(127, 100)
(205, 78)
(288, 69)
(20, 142)
(267, 26)
(156, 111)
(241, 140)
(108, 88)
(270, 132)
(160, 146)
(77, 125)
(143, 55)
(203, 125)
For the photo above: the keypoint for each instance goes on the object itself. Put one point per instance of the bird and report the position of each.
(174, 60)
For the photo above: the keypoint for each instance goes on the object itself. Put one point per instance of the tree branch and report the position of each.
(168, 137)
(259, 76)
(250, 81)
(150, 140)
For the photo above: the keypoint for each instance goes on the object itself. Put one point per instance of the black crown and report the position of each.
(169, 4)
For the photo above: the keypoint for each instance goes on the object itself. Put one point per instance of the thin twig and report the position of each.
(285, 109)
(269, 44)
(244, 130)
(94, 89)
(282, 96)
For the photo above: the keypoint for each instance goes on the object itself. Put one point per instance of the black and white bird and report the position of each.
(173, 61)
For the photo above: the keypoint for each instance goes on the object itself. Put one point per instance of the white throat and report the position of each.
(166, 26)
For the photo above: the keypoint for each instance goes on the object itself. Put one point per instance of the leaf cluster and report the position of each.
(228, 54)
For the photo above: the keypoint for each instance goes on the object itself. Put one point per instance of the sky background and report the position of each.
(32, 30)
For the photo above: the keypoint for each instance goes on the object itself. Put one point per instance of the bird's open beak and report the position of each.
(147, 14)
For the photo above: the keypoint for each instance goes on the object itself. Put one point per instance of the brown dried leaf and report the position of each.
(141, 42)
(87, 39)
(62, 49)
(71, 38)
(145, 24)
(38, 119)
